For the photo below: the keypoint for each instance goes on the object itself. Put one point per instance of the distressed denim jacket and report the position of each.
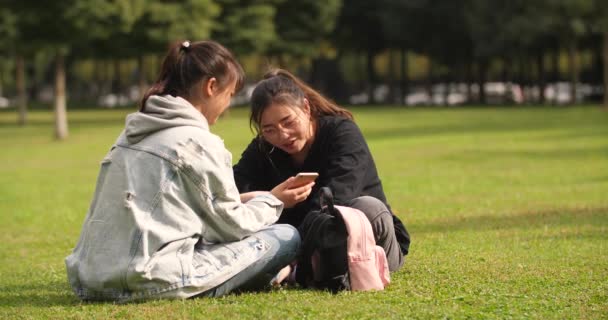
(166, 218)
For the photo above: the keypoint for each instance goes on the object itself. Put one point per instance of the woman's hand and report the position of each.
(291, 197)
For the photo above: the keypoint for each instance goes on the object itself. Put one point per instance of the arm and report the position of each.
(250, 195)
(348, 163)
(225, 216)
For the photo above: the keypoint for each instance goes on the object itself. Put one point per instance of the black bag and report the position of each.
(324, 240)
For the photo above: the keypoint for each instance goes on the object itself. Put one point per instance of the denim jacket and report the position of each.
(166, 218)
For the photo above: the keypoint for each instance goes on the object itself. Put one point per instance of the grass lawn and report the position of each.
(507, 208)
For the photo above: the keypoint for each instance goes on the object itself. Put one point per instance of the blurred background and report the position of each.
(104, 53)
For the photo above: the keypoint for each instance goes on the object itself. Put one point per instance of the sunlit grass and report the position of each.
(507, 207)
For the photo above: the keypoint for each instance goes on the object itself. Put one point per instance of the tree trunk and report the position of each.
(447, 86)
(573, 66)
(529, 67)
(540, 61)
(116, 84)
(605, 58)
(141, 75)
(98, 77)
(521, 70)
(1, 80)
(404, 77)
(429, 82)
(506, 77)
(371, 76)
(61, 121)
(392, 88)
(556, 75)
(483, 66)
(21, 91)
(468, 80)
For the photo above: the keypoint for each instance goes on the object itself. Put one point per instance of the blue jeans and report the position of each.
(284, 241)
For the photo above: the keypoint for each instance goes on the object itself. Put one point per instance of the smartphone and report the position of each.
(303, 178)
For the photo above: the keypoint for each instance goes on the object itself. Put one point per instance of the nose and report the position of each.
(283, 134)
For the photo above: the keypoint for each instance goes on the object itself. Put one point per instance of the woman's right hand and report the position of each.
(291, 197)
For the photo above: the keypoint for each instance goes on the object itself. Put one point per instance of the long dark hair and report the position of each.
(187, 63)
(281, 87)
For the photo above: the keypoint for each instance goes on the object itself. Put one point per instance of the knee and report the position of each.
(288, 238)
(373, 208)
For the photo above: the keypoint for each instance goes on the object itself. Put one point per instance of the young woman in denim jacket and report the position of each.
(166, 219)
(299, 130)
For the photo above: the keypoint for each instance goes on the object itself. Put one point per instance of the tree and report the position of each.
(570, 25)
(56, 26)
(599, 22)
(246, 27)
(303, 29)
(8, 47)
(302, 26)
(359, 30)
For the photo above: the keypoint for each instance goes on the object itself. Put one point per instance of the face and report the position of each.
(287, 128)
(217, 101)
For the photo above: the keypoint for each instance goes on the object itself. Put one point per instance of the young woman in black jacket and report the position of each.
(299, 130)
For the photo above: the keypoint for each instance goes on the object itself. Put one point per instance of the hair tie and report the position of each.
(185, 46)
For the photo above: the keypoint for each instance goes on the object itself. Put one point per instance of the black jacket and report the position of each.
(341, 157)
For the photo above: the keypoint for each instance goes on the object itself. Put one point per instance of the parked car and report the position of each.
(4, 103)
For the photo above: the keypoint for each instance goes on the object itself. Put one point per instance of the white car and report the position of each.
(4, 103)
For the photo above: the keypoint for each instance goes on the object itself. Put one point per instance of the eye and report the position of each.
(269, 131)
(289, 123)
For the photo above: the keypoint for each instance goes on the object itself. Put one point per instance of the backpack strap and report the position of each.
(327, 199)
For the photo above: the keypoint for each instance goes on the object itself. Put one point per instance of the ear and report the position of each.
(210, 86)
(306, 107)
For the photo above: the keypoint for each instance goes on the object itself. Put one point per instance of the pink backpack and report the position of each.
(339, 251)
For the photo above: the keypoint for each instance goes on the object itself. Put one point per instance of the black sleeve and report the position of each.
(248, 172)
(348, 163)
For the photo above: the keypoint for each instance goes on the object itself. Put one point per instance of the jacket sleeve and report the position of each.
(224, 217)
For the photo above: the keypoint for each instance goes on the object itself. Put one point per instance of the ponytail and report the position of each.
(187, 63)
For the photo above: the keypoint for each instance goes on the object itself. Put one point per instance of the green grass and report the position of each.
(507, 208)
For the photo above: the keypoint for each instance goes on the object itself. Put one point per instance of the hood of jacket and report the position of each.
(162, 112)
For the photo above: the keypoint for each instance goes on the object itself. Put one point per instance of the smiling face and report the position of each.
(288, 128)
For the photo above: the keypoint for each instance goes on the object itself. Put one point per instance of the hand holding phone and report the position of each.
(295, 189)
(303, 178)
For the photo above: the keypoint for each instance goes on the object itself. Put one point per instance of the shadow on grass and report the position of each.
(95, 118)
(38, 295)
(564, 153)
(582, 128)
(76, 123)
(522, 220)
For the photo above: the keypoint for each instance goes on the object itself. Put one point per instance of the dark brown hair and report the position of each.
(281, 87)
(187, 63)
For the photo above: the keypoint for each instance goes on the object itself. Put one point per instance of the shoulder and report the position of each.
(191, 143)
(338, 126)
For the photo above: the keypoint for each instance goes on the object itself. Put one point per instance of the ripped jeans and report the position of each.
(284, 243)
